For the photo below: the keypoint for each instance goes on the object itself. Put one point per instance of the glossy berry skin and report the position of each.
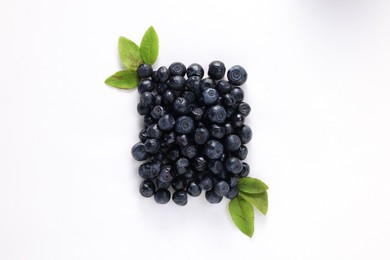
(162, 196)
(233, 192)
(182, 140)
(193, 84)
(238, 94)
(163, 74)
(213, 149)
(180, 197)
(206, 183)
(229, 100)
(215, 166)
(213, 198)
(161, 87)
(181, 105)
(162, 185)
(201, 135)
(237, 120)
(217, 131)
(165, 174)
(195, 70)
(149, 170)
(157, 112)
(142, 110)
(157, 100)
(153, 131)
(197, 113)
(143, 136)
(199, 164)
(147, 189)
(207, 83)
(168, 97)
(148, 120)
(144, 71)
(216, 114)
(232, 181)
(139, 152)
(189, 151)
(189, 95)
(223, 87)
(245, 170)
(216, 70)
(244, 109)
(182, 165)
(221, 188)
(177, 69)
(229, 129)
(146, 99)
(245, 133)
(184, 125)
(166, 122)
(210, 96)
(177, 83)
(232, 143)
(145, 85)
(193, 189)
(233, 165)
(241, 152)
(152, 145)
(237, 75)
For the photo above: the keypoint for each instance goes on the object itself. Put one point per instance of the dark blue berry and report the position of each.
(157, 100)
(168, 97)
(182, 165)
(210, 96)
(173, 154)
(244, 108)
(148, 120)
(166, 122)
(180, 197)
(197, 113)
(177, 82)
(162, 196)
(152, 145)
(145, 85)
(189, 95)
(229, 129)
(139, 152)
(182, 140)
(206, 183)
(177, 69)
(142, 110)
(217, 131)
(207, 83)
(189, 151)
(213, 149)
(233, 192)
(215, 166)
(143, 135)
(144, 71)
(233, 165)
(238, 94)
(189, 175)
(213, 198)
(223, 87)
(147, 188)
(178, 183)
(232, 181)
(216, 114)
(146, 99)
(195, 70)
(242, 152)
(163, 74)
(165, 174)
(149, 170)
(157, 112)
(169, 138)
(161, 87)
(237, 75)
(221, 188)
(245, 133)
(216, 70)
(199, 164)
(229, 100)
(245, 170)
(153, 131)
(181, 105)
(184, 125)
(232, 143)
(193, 189)
(162, 185)
(193, 84)
(154, 77)
(237, 120)
(201, 135)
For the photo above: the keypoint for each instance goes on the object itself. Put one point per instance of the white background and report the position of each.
(319, 87)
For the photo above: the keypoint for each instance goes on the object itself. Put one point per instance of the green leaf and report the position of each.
(129, 53)
(243, 216)
(252, 185)
(124, 79)
(149, 46)
(260, 201)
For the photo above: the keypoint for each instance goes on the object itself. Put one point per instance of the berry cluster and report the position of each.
(194, 132)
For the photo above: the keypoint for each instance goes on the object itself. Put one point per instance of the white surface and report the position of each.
(319, 87)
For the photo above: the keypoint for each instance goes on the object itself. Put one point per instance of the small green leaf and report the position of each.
(243, 216)
(252, 185)
(260, 201)
(149, 46)
(129, 53)
(124, 79)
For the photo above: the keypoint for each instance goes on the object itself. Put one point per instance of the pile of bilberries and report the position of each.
(194, 132)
